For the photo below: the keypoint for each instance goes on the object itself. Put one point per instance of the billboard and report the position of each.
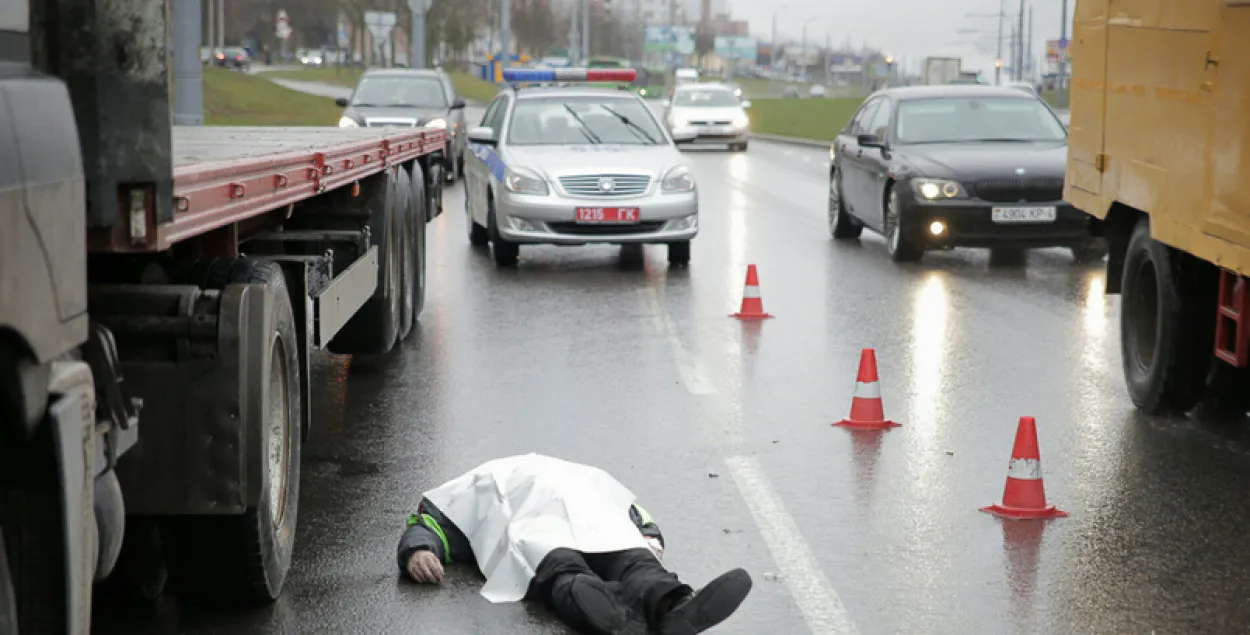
(1056, 50)
(669, 39)
(735, 47)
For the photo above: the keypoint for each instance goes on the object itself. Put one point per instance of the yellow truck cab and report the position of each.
(1159, 150)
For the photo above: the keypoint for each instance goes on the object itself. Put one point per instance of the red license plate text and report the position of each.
(607, 215)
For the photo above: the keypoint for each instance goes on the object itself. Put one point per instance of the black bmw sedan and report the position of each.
(937, 167)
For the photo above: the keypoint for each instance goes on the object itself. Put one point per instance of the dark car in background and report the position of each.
(410, 98)
(938, 167)
(233, 58)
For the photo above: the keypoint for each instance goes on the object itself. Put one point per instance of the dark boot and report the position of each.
(708, 606)
(587, 603)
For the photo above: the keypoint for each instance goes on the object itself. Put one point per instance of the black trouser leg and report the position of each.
(645, 583)
(552, 584)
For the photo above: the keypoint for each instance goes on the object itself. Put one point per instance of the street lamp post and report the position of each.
(998, 63)
(1063, 55)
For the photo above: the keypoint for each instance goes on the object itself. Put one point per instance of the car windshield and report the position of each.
(400, 92)
(583, 121)
(705, 97)
(976, 119)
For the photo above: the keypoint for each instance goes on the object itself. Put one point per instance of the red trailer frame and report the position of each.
(210, 194)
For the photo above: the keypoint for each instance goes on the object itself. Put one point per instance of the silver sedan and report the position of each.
(572, 166)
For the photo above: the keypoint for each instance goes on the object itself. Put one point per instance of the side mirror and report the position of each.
(458, 104)
(746, 103)
(685, 134)
(483, 135)
(870, 141)
(341, 102)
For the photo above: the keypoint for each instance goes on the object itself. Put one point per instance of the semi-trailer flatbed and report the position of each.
(161, 289)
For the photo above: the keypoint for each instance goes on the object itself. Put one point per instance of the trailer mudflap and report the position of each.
(192, 356)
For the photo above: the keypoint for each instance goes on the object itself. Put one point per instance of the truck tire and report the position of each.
(8, 601)
(375, 327)
(407, 257)
(1166, 325)
(247, 557)
(434, 190)
(417, 232)
(34, 555)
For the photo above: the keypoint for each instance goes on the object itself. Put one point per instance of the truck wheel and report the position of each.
(417, 233)
(375, 327)
(1166, 326)
(900, 248)
(248, 556)
(34, 556)
(434, 188)
(407, 258)
(505, 252)
(8, 601)
(841, 225)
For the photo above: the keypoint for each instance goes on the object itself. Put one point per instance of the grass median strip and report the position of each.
(232, 98)
(469, 87)
(817, 119)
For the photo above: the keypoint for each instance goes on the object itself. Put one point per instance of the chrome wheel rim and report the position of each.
(891, 221)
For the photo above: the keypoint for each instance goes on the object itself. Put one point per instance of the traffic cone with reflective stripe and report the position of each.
(867, 410)
(1024, 498)
(752, 303)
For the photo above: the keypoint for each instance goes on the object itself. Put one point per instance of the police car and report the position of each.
(568, 164)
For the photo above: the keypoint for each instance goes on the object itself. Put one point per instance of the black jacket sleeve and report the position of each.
(644, 523)
(430, 529)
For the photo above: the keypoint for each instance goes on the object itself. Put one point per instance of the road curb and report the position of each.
(794, 141)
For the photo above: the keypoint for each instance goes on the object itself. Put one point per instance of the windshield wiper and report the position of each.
(594, 138)
(633, 127)
(1004, 140)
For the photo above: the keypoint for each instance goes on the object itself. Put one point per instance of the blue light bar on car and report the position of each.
(540, 75)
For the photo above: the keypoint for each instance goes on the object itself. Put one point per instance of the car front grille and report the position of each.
(592, 185)
(383, 122)
(711, 123)
(606, 229)
(1019, 190)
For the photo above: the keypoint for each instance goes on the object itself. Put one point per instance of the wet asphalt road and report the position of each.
(613, 359)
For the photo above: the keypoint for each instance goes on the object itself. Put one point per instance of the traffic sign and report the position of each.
(380, 24)
(283, 25)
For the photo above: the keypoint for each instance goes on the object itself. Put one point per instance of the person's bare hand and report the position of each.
(424, 567)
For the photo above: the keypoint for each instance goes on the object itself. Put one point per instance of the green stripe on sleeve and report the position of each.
(433, 525)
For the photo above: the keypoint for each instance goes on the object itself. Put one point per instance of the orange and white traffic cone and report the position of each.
(1024, 497)
(867, 410)
(752, 302)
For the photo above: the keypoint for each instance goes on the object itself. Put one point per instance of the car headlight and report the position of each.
(680, 122)
(437, 122)
(677, 180)
(523, 181)
(741, 120)
(348, 122)
(937, 189)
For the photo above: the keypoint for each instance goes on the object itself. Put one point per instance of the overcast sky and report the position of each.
(908, 29)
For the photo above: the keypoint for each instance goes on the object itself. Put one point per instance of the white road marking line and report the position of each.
(694, 377)
(819, 603)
